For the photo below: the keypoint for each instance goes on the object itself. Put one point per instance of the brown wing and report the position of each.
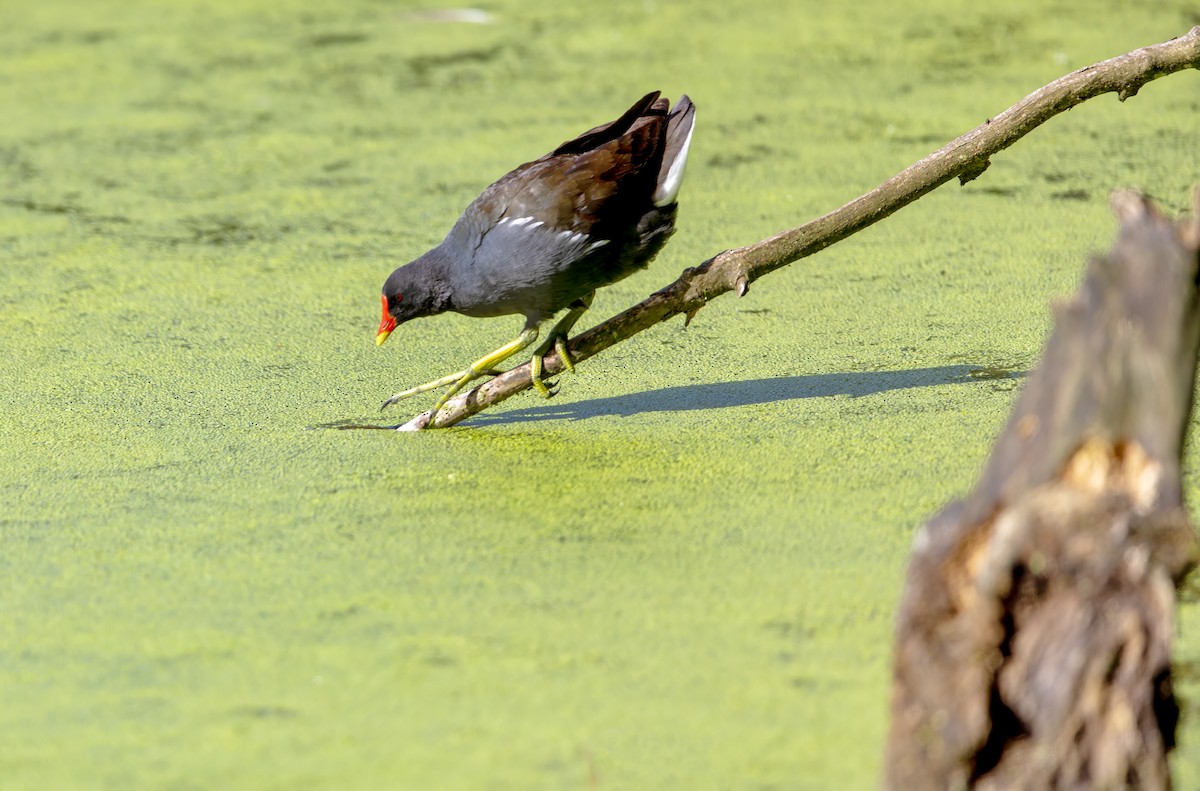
(601, 178)
(599, 135)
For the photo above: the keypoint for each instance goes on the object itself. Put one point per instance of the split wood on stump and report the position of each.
(1033, 638)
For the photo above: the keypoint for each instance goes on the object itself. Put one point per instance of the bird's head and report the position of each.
(412, 291)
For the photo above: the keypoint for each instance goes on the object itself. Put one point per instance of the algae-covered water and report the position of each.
(681, 572)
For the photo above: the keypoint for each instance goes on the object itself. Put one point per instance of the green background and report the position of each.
(680, 573)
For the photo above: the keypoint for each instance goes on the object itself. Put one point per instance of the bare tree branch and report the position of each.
(964, 158)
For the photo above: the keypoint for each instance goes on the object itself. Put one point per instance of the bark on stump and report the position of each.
(1033, 639)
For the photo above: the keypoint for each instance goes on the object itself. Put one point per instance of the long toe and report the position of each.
(545, 389)
(436, 383)
(560, 346)
(398, 397)
(394, 400)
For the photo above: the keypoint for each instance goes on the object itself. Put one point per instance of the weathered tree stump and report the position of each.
(1033, 639)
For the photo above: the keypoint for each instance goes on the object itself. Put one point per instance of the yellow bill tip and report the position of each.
(387, 322)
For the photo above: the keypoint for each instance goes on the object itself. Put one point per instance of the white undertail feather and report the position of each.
(668, 186)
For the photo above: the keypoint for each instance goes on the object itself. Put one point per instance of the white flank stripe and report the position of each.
(574, 237)
(522, 220)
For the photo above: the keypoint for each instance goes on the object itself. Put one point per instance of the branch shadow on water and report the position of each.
(755, 391)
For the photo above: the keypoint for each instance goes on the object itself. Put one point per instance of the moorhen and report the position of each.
(548, 234)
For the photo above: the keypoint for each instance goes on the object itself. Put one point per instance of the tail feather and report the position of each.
(680, 123)
(600, 135)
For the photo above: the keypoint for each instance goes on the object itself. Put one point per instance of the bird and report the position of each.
(544, 237)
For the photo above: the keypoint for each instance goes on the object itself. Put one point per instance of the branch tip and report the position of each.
(416, 424)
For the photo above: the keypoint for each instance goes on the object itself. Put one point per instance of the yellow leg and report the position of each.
(558, 340)
(483, 366)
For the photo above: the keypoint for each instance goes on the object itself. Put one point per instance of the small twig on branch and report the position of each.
(964, 158)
